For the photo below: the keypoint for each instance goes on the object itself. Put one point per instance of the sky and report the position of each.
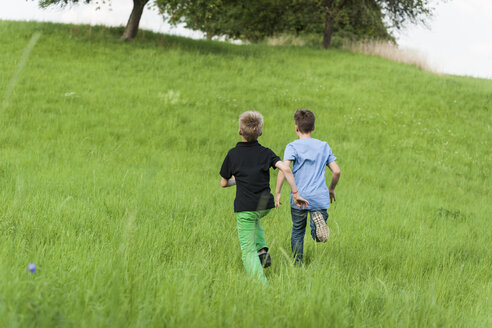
(457, 39)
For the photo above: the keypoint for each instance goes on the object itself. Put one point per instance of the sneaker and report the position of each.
(265, 260)
(322, 230)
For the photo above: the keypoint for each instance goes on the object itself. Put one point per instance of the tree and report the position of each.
(256, 19)
(364, 17)
(131, 28)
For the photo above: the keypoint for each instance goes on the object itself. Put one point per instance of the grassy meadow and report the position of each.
(109, 161)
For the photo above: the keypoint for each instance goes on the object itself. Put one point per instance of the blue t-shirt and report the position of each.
(310, 157)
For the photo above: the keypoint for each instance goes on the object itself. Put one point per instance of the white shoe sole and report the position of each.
(322, 230)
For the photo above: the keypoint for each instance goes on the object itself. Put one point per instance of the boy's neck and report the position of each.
(304, 135)
(244, 140)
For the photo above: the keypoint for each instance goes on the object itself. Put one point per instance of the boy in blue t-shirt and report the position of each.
(310, 157)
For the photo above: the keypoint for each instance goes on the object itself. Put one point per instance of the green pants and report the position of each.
(251, 240)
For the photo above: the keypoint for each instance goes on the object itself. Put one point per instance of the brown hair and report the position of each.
(304, 119)
(251, 125)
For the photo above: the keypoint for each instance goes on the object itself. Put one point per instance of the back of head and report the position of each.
(251, 125)
(304, 119)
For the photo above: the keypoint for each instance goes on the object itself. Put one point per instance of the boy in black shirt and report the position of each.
(247, 165)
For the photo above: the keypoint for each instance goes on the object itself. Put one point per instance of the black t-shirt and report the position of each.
(249, 163)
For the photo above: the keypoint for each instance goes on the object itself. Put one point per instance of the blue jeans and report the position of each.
(299, 221)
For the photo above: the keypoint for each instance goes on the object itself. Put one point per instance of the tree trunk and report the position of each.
(131, 28)
(328, 31)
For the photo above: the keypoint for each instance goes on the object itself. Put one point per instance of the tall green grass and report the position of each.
(109, 160)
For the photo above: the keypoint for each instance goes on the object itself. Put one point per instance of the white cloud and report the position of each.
(459, 38)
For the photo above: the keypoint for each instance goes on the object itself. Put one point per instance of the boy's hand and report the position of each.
(277, 200)
(332, 195)
(224, 183)
(299, 201)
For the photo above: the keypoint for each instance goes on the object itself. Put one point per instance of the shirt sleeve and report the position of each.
(290, 153)
(331, 157)
(273, 159)
(226, 170)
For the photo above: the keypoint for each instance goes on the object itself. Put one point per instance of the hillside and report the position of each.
(109, 161)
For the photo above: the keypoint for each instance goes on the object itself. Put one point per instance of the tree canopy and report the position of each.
(256, 19)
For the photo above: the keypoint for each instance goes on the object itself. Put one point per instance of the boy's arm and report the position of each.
(298, 200)
(334, 179)
(224, 183)
(226, 171)
(280, 182)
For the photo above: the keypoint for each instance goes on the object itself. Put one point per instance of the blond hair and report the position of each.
(251, 125)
